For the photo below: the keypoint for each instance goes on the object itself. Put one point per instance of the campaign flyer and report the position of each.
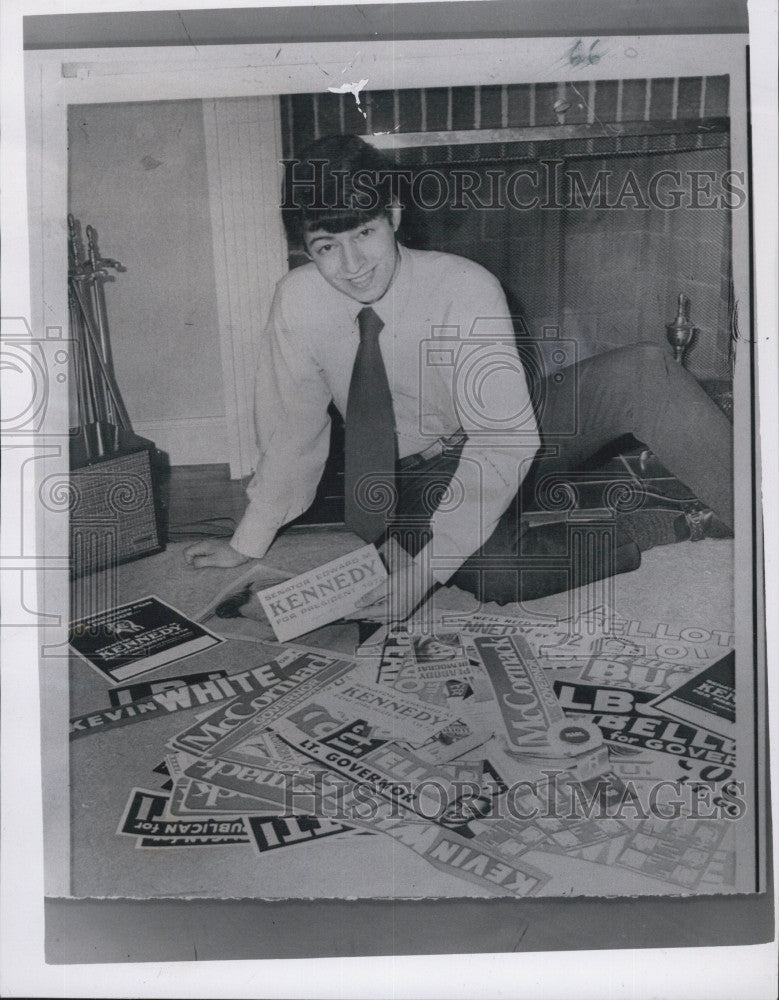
(322, 595)
(129, 693)
(137, 637)
(707, 700)
(144, 819)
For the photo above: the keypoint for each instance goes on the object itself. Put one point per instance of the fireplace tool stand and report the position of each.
(114, 508)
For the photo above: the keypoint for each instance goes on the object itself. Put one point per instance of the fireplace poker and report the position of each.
(97, 274)
(110, 390)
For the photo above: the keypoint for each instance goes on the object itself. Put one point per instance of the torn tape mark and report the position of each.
(354, 89)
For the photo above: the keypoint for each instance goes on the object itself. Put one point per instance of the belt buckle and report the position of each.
(438, 447)
(453, 441)
(432, 451)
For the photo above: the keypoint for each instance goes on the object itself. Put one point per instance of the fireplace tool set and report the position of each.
(101, 412)
(113, 510)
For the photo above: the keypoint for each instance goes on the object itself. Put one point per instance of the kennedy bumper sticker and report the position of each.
(322, 595)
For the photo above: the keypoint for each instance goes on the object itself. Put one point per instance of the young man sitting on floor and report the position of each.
(417, 351)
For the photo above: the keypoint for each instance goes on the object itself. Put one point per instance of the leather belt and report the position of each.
(434, 450)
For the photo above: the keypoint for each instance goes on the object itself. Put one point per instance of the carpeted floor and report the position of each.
(688, 584)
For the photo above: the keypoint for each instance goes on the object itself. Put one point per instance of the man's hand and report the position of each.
(397, 597)
(214, 552)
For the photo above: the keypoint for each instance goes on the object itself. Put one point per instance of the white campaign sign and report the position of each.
(322, 595)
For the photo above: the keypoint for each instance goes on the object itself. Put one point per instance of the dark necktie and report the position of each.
(370, 447)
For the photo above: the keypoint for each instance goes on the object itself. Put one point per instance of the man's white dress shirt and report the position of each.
(449, 351)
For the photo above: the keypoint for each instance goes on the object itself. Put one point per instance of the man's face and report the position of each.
(359, 262)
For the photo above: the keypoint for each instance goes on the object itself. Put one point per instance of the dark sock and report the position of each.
(648, 528)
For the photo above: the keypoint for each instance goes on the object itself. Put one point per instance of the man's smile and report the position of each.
(363, 281)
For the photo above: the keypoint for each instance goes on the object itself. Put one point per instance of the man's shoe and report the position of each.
(704, 523)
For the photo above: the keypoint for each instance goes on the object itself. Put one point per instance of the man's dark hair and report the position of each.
(336, 183)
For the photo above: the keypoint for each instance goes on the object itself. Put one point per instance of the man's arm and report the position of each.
(293, 436)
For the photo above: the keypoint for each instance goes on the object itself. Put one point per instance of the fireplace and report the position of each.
(596, 205)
